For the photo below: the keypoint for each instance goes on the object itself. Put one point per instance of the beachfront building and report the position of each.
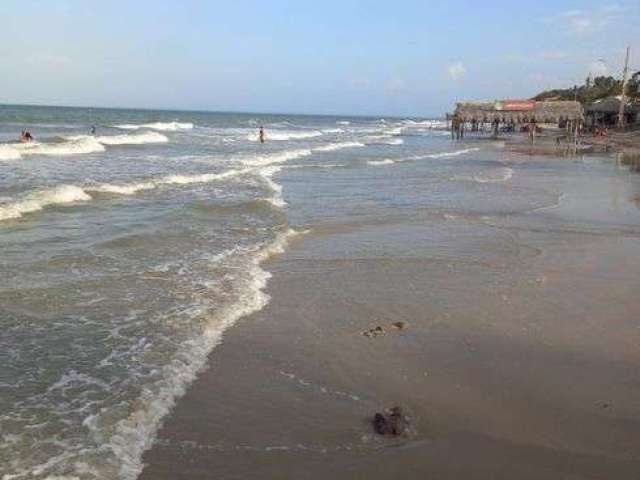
(510, 116)
(604, 112)
(513, 113)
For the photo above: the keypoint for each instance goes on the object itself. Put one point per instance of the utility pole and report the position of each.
(623, 97)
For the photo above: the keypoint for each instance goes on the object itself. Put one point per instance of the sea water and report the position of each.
(125, 254)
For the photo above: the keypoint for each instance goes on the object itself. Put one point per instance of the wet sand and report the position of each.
(521, 363)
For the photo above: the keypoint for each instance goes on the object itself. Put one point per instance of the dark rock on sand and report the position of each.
(392, 422)
(374, 332)
(379, 330)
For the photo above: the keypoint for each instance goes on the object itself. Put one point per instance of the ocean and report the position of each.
(126, 254)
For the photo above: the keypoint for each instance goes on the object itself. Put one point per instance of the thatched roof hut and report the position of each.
(605, 111)
(519, 111)
(612, 105)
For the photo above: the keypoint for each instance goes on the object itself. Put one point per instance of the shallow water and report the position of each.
(125, 255)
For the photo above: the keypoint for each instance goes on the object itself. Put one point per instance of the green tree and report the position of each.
(592, 90)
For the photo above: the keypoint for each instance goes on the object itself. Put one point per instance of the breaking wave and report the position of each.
(70, 146)
(130, 189)
(133, 139)
(62, 194)
(8, 152)
(283, 135)
(455, 153)
(77, 145)
(136, 433)
(413, 158)
(161, 126)
(263, 165)
(338, 146)
(274, 158)
(378, 163)
(425, 124)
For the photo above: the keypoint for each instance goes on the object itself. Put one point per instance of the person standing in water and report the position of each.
(261, 134)
(25, 137)
(93, 129)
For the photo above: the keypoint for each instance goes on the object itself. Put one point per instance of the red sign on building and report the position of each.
(515, 105)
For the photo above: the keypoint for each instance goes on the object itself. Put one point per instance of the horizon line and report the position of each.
(240, 112)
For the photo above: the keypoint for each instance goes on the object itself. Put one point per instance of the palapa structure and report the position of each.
(604, 112)
(519, 112)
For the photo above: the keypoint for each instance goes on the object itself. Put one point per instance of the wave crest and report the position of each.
(283, 135)
(135, 139)
(338, 146)
(36, 201)
(161, 126)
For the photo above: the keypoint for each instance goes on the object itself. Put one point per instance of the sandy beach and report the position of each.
(518, 360)
(320, 240)
(213, 307)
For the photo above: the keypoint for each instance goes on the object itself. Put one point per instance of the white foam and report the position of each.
(162, 126)
(77, 145)
(275, 158)
(7, 152)
(133, 139)
(70, 378)
(377, 163)
(505, 174)
(425, 124)
(452, 154)
(267, 172)
(71, 193)
(60, 195)
(202, 178)
(338, 146)
(121, 189)
(384, 140)
(136, 433)
(130, 189)
(326, 166)
(283, 135)
(333, 130)
(394, 131)
(343, 122)
(71, 146)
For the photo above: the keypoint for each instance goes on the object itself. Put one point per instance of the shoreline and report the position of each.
(290, 391)
(626, 144)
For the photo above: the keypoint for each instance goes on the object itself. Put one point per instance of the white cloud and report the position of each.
(396, 85)
(456, 71)
(581, 22)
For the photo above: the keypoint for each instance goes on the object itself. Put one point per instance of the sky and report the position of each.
(403, 57)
